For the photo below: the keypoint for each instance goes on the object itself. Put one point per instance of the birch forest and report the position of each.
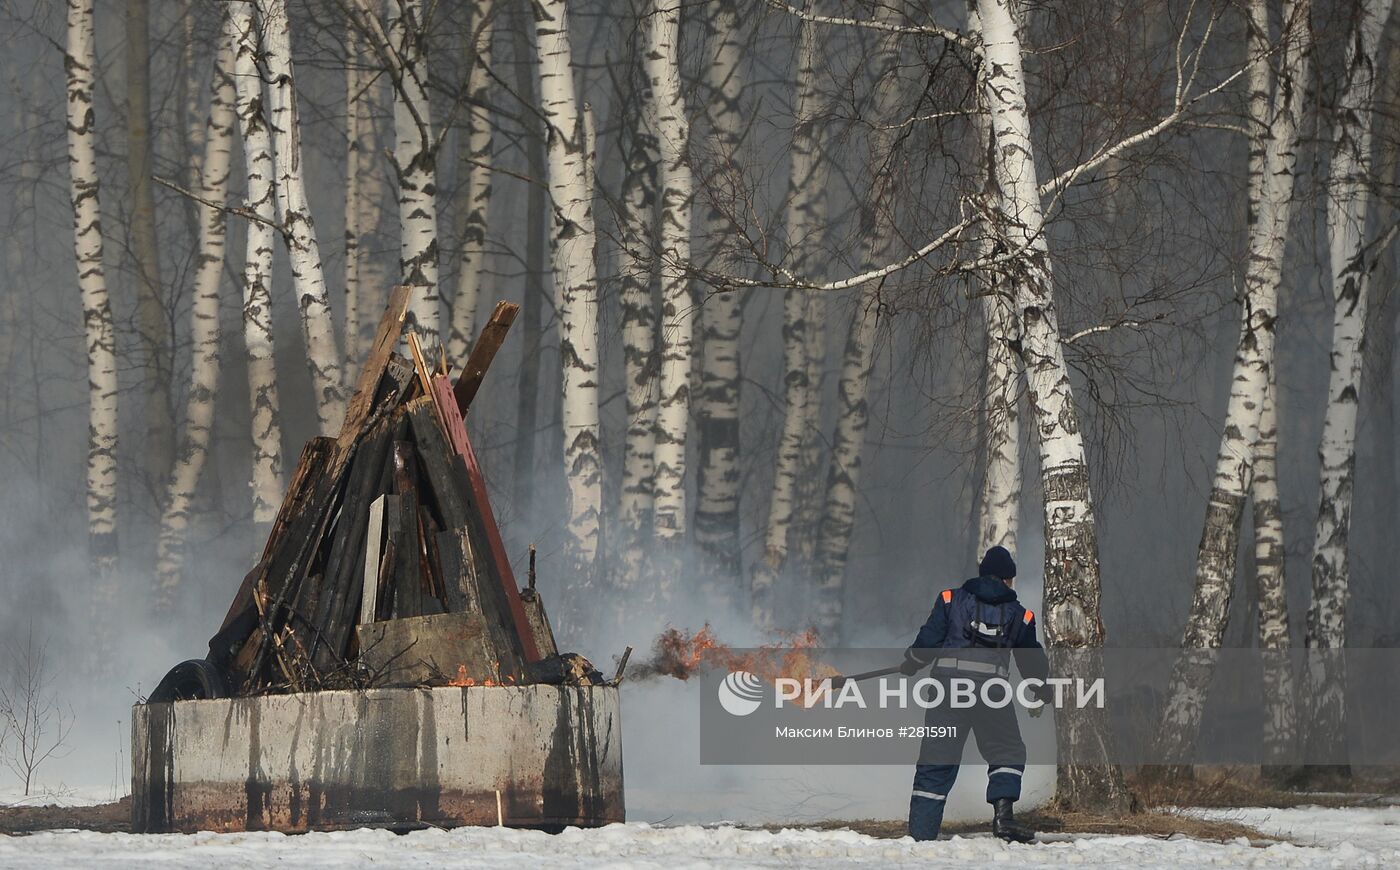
(818, 301)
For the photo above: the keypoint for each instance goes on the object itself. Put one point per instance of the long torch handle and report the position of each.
(838, 682)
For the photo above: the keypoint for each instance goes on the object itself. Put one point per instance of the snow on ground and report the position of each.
(1345, 839)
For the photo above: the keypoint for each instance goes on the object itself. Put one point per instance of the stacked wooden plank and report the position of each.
(385, 565)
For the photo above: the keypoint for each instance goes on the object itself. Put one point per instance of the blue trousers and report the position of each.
(999, 743)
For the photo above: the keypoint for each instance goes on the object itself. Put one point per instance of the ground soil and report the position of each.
(105, 818)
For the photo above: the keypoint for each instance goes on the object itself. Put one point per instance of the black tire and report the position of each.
(195, 679)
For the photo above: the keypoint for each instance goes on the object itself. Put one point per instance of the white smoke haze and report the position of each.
(1168, 248)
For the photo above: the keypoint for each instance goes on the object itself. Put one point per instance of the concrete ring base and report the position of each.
(546, 756)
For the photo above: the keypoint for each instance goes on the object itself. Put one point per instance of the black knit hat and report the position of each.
(997, 563)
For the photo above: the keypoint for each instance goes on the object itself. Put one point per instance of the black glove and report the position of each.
(911, 666)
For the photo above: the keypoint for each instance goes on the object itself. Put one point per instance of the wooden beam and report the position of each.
(493, 335)
(374, 549)
(386, 337)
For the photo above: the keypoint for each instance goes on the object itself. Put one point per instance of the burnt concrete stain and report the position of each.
(153, 794)
(257, 787)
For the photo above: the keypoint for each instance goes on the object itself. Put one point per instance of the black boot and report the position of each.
(1005, 826)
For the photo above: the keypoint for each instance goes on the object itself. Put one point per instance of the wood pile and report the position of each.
(385, 565)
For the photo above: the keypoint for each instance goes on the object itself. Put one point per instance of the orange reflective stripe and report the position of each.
(1028, 617)
(947, 596)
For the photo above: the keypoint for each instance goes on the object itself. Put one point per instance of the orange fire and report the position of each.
(677, 654)
(463, 681)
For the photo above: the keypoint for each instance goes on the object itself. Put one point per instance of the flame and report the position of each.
(793, 655)
(464, 681)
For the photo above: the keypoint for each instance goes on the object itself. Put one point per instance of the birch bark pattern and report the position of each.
(356, 117)
(999, 505)
(1280, 725)
(259, 165)
(1348, 204)
(852, 414)
(294, 216)
(636, 230)
(666, 114)
(476, 200)
(415, 166)
(204, 331)
(79, 63)
(575, 286)
(1272, 174)
(1072, 583)
(717, 405)
(806, 215)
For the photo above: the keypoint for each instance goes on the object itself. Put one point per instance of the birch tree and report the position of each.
(852, 414)
(79, 64)
(357, 124)
(808, 176)
(575, 284)
(1269, 558)
(1072, 580)
(666, 115)
(294, 215)
(1348, 205)
(476, 200)
(999, 507)
(1273, 128)
(717, 405)
(204, 329)
(636, 220)
(415, 166)
(259, 164)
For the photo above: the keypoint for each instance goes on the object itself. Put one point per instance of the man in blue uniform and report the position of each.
(965, 631)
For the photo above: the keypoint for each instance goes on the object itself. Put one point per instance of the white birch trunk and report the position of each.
(636, 260)
(1277, 139)
(811, 488)
(204, 330)
(1348, 204)
(852, 414)
(477, 196)
(415, 165)
(294, 216)
(1072, 587)
(356, 121)
(260, 165)
(666, 113)
(575, 285)
(717, 404)
(999, 507)
(806, 216)
(1280, 728)
(80, 62)
(999, 512)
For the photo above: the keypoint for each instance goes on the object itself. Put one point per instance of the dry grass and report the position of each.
(1144, 824)
(1246, 787)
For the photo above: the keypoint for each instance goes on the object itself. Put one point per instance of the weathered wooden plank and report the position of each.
(408, 596)
(423, 649)
(374, 550)
(386, 337)
(451, 419)
(334, 608)
(493, 335)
